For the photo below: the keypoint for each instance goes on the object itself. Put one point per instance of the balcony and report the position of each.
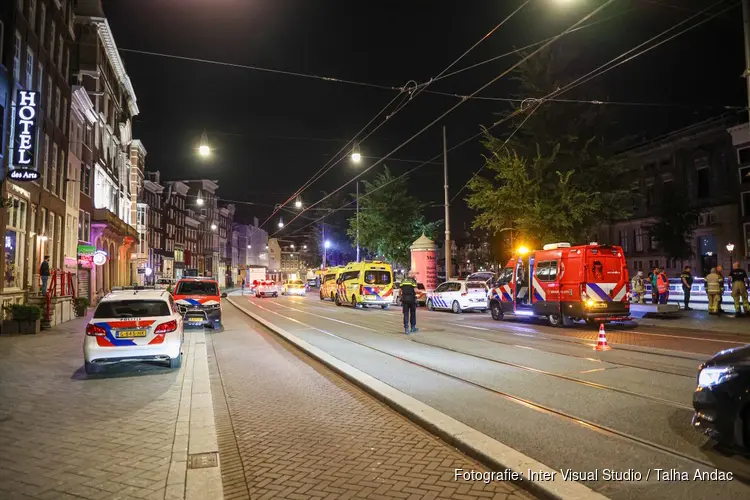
(104, 216)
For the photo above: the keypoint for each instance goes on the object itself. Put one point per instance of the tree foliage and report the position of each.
(554, 180)
(674, 228)
(389, 219)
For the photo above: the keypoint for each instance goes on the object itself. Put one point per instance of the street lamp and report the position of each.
(298, 203)
(304, 247)
(292, 246)
(213, 227)
(356, 156)
(730, 249)
(199, 201)
(249, 247)
(204, 149)
(281, 222)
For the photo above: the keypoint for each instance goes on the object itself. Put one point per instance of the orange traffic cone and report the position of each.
(601, 344)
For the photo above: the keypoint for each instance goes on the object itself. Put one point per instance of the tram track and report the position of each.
(511, 344)
(543, 408)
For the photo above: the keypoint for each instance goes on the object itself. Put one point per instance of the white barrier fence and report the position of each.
(698, 296)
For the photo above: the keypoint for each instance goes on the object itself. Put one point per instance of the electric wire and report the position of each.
(542, 100)
(454, 107)
(412, 93)
(608, 66)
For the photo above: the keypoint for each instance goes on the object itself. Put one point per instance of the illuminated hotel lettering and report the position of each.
(23, 166)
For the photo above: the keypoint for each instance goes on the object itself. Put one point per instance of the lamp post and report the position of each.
(326, 244)
(730, 249)
(204, 149)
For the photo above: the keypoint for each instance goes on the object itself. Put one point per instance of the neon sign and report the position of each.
(23, 166)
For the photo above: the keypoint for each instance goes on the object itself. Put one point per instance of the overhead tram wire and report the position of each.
(530, 46)
(454, 107)
(608, 66)
(412, 93)
(538, 101)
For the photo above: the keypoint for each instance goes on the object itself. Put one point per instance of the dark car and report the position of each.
(722, 399)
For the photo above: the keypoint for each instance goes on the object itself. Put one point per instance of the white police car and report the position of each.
(134, 325)
(459, 296)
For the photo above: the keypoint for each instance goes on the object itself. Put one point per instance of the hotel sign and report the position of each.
(23, 165)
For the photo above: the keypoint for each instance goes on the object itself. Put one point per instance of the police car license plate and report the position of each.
(129, 334)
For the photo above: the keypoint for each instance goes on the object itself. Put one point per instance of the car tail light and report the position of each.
(95, 331)
(167, 327)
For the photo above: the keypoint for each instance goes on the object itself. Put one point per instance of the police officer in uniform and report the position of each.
(409, 303)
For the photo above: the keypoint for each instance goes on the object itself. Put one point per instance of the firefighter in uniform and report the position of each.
(714, 288)
(739, 288)
(639, 287)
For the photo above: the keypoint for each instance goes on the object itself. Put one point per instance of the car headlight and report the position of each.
(715, 375)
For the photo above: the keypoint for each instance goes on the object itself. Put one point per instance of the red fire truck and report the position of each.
(564, 283)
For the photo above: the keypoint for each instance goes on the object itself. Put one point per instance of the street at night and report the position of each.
(317, 249)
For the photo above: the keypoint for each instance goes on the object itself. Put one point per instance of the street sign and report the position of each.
(141, 270)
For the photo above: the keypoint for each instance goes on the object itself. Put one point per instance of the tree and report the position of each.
(675, 226)
(533, 197)
(555, 178)
(389, 219)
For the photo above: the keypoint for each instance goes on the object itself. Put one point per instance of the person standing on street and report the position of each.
(409, 303)
(713, 290)
(662, 286)
(687, 285)
(739, 288)
(44, 273)
(639, 287)
(720, 272)
(654, 288)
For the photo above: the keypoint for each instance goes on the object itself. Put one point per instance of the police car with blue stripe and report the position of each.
(459, 296)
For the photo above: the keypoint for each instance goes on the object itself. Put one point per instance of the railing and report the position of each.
(59, 284)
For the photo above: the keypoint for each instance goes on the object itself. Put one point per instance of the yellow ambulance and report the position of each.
(328, 283)
(365, 283)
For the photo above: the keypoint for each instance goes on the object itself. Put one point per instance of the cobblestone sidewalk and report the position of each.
(67, 436)
(290, 428)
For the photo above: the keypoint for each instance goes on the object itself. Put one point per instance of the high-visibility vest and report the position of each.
(662, 284)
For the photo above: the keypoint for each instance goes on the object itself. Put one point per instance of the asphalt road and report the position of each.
(541, 390)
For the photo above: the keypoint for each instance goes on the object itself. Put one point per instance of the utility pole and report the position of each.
(448, 258)
(325, 247)
(746, 26)
(357, 221)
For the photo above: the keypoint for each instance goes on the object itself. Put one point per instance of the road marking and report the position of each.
(680, 337)
(475, 328)
(593, 370)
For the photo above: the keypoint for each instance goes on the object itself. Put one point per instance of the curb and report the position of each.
(195, 434)
(485, 449)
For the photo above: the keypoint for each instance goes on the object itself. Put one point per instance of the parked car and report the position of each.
(459, 296)
(132, 325)
(721, 403)
(267, 289)
(199, 301)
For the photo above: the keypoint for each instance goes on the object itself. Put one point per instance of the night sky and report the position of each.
(272, 132)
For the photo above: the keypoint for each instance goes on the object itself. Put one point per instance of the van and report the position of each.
(328, 283)
(365, 283)
(564, 283)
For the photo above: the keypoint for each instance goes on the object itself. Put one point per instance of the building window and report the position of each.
(15, 236)
(704, 182)
(649, 196)
(52, 36)
(744, 174)
(60, 47)
(53, 169)
(743, 156)
(746, 203)
(32, 12)
(61, 181)
(624, 241)
(86, 180)
(84, 226)
(49, 96)
(42, 21)
(640, 236)
(57, 107)
(43, 168)
(40, 79)
(29, 68)
(17, 58)
(64, 114)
